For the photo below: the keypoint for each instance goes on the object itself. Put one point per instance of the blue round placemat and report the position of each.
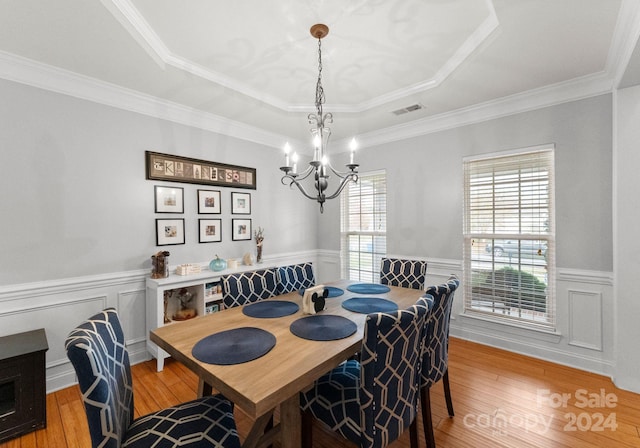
(366, 305)
(368, 288)
(234, 346)
(270, 309)
(333, 291)
(320, 327)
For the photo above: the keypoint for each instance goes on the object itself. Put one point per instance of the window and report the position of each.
(364, 227)
(509, 237)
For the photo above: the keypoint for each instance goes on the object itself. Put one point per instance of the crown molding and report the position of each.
(625, 39)
(26, 71)
(131, 19)
(128, 16)
(572, 90)
(468, 47)
(22, 70)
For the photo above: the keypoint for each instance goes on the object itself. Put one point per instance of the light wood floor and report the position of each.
(500, 399)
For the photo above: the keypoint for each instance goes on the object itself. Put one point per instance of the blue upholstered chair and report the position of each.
(97, 351)
(404, 273)
(295, 277)
(436, 359)
(248, 287)
(373, 401)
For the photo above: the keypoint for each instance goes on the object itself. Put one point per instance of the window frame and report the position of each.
(364, 270)
(540, 228)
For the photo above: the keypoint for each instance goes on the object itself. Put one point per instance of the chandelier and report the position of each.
(319, 167)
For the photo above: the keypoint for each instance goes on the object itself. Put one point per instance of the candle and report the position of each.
(317, 143)
(287, 149)
(294, 157)
(353, 145)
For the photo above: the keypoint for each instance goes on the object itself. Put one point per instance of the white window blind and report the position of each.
(509, 239)
(364, 227)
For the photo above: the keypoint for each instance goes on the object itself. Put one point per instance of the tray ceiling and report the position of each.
(253, 63)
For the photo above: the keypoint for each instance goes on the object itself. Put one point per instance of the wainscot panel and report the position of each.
(59, 306)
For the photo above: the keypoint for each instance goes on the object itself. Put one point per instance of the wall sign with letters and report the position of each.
(193, 171)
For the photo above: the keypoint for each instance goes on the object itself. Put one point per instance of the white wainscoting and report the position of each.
(584, 325)
(59, 306)
(584, 337)
(584, 333)
(585, 319)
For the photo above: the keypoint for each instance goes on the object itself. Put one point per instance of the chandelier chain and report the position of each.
(319, 90)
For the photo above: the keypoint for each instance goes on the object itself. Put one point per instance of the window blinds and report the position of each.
(509, 237)
(364, 227)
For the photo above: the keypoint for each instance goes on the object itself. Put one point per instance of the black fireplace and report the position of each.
(22, 383)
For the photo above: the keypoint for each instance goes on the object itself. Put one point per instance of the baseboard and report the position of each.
(531, 347)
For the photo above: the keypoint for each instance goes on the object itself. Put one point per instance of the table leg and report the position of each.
(290, 423)
(259, 436)
(204, 389)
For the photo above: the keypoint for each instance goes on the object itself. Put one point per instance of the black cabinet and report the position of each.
(22, 383)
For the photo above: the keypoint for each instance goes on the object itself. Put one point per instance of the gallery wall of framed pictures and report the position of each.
(210, 229)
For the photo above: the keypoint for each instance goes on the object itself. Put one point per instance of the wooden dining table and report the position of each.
(276, 378)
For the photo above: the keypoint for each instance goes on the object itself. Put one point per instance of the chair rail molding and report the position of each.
(57, 305)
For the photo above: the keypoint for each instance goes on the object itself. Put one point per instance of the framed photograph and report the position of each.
(209, 202)
(241, 229)
(169, 199)
(210, 230)
(240, 203)
(169, 232)
(168, 167)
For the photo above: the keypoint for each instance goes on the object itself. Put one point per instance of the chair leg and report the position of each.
(413, 433)
(307, 426)
(447, 392)
(427, 423)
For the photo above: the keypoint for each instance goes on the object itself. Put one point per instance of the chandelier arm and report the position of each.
(302, 190)
(352, 177)
(302, 176)
(341, 174)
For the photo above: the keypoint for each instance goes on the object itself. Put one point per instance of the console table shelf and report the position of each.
(204, 300)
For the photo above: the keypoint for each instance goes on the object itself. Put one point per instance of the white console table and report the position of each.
(202, 285)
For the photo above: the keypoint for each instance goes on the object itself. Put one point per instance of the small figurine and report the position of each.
(259, 236)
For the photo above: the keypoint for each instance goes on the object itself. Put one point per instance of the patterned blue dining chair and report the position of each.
(372, 401)
(248, 287)
(96, 348)
(404, 273)
(295, 277)
(435, 365)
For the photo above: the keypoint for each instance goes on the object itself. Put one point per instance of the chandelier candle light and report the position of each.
(319, 165)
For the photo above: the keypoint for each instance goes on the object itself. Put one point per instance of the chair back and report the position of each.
(436, 356)
(295, 277)
(248, 287)
(391, 360)
(96, 348)
(404, 273)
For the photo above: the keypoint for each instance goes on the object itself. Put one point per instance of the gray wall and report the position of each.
(425, 182)
(76, 205)
(75, 200)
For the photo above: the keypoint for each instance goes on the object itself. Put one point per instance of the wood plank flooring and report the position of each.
(500, 399)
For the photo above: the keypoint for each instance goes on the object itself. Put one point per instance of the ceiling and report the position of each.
(249, 67)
